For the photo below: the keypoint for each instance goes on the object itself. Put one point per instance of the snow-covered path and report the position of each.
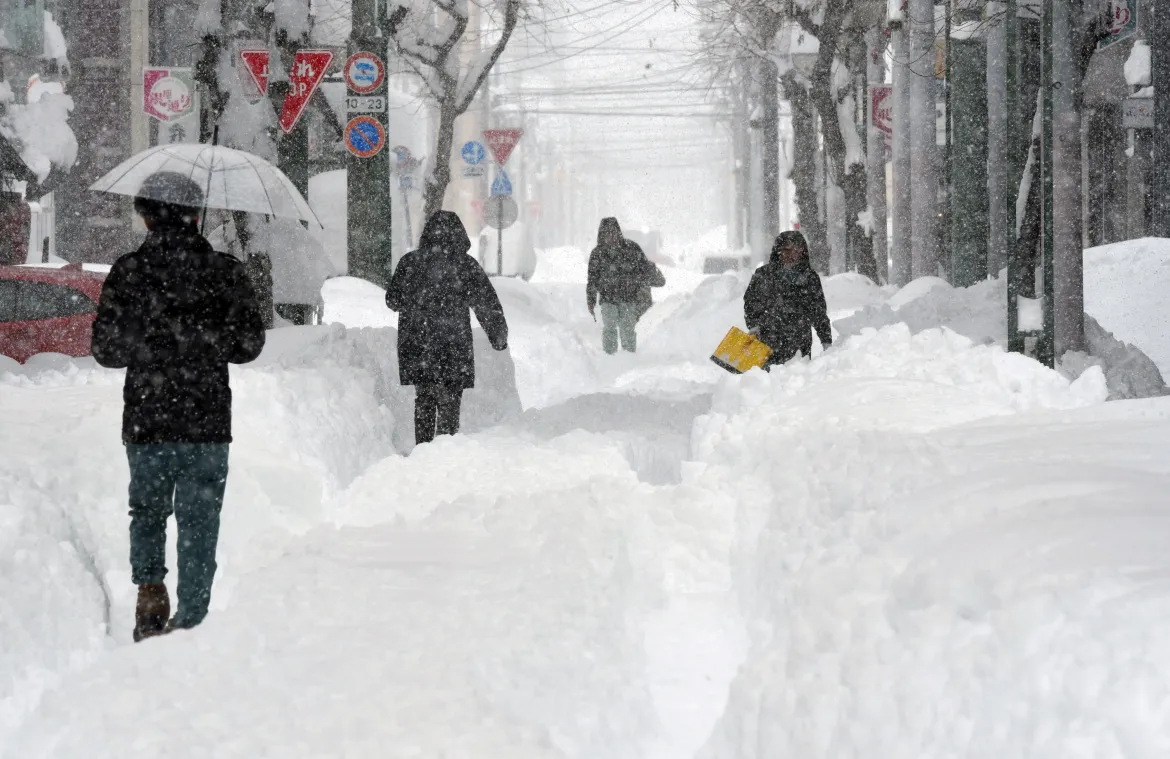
(882, 538)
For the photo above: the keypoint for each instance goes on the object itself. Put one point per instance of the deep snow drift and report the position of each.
(916, 544)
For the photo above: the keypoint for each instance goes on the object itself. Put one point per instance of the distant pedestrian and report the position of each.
(785, 302)
(175, 313)
(434, 289)
(620, 278)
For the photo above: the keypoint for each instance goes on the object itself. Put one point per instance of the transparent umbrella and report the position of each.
(231, 179)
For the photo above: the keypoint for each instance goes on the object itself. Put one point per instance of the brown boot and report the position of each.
(154, 609)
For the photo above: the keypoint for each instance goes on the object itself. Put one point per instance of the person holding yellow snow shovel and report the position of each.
(785, 302)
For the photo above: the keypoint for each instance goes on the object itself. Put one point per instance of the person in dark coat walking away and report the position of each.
(174, 314)
(620, 277)
(434, 289)
(785, 302)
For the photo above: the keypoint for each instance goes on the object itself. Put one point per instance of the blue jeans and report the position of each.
(619, 324)
(186, 479)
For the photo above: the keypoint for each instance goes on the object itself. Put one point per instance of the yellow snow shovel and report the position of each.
(740, 352)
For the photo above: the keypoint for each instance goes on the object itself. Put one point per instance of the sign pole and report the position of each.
(368, 220)
(1160, 77)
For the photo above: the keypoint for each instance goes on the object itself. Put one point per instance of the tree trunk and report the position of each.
(804, 171)
(440, 176)
(851, 178)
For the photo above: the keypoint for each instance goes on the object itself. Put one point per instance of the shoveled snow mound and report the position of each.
(354, 302)
(979, 313)
(916, 289)
(375, 351)
(1125, 290)
(984, 590)
(850, 291)
(300, 436)
(927, 572)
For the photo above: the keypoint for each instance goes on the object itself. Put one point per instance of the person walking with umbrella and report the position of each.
(434, 289)
(174, 314)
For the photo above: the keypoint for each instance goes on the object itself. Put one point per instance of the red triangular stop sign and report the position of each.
(309, 67)
(256, 62)
(501, 142)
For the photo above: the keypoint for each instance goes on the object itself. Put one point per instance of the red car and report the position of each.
(44, 310)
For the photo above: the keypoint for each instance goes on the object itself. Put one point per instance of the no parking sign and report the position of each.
(365, 136)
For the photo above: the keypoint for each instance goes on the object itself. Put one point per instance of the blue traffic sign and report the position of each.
(365, 136)
(501, 185)
(474, 152)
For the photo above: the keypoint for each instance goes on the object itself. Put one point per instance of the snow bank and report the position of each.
(301, 434)
(926, 571)
(979, 313)
(983, 590)
(375, 352)
(1125, 290)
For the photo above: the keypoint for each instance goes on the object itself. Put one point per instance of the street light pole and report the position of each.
(1159, 27)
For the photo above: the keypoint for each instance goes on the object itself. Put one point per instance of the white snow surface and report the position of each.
(915, 544)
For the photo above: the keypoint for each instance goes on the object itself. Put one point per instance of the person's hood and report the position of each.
(610, 229)
(445, 231)
(775, 256)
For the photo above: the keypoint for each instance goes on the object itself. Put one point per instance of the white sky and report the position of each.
(628, 59)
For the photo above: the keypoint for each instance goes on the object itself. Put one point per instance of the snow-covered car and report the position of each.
(47, 310)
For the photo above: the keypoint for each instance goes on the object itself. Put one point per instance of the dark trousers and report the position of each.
(436, 411)
(188, 480)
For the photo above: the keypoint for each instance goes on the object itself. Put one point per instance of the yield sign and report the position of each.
(309, 67)
(256, 61)
(501, 142)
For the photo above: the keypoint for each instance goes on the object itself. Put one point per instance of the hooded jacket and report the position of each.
(175, 313)
(434, 289)
(784, 305)
(618, 269)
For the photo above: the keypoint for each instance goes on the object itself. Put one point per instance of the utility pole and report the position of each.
(924, 243)
(969, 171)
(900, 273)
(1159, 27)
(999, 189)
(369, 249)
(1068, 231)
(876, 151)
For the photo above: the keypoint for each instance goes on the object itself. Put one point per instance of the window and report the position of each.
(7, 300)
(41, 300)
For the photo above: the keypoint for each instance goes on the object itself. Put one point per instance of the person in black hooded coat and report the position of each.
(785, 302)
(434, 289)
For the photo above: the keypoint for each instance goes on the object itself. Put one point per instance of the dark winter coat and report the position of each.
(619, 271)
(784, 305)
(175, 313)
(434, 289)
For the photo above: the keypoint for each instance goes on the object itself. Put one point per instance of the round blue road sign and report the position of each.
(365, 136)
(474, 152)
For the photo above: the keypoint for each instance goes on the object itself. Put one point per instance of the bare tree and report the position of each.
(431, 40)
